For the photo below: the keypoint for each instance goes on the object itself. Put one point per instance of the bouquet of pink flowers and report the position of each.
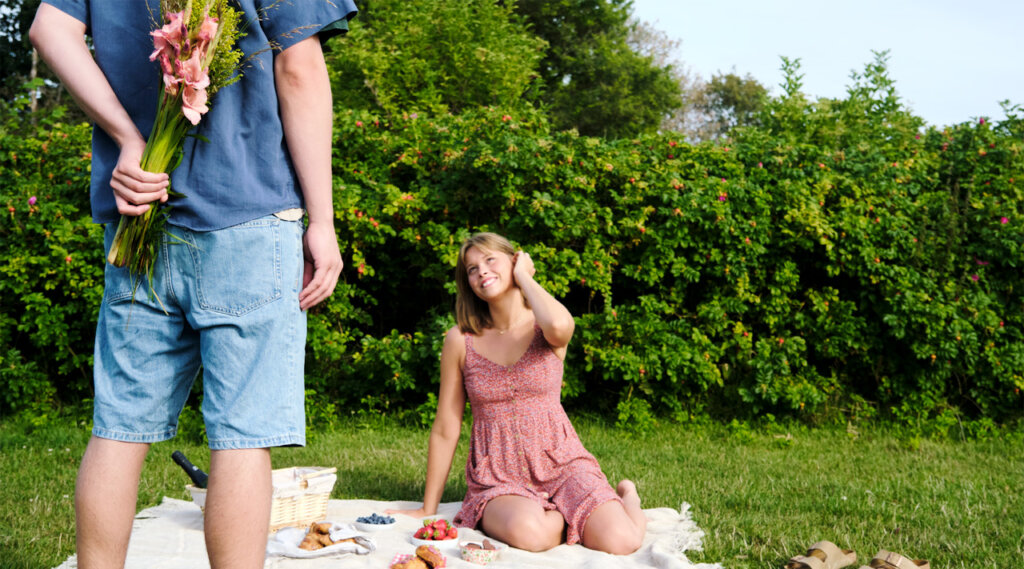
(197, 55)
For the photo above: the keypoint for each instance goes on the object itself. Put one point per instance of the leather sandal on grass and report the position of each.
(823, 555)
(888, 560)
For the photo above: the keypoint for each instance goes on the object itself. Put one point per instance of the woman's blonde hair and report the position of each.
(471, 313)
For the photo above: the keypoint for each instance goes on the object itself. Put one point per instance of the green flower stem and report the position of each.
(138, 237)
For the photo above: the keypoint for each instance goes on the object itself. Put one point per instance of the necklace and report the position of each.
(510, 326)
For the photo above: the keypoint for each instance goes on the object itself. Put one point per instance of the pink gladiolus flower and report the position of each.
(168, 38)
(207, 31)
(192, 74)
(1004, 220)
(32, 200)
(193, 104)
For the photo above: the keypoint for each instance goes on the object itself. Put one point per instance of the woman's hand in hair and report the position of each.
(522, 268)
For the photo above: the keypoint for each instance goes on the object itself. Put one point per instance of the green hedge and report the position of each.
(839, 260)
(51, 269)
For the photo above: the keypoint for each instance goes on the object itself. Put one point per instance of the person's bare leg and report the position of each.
(238, 508)
(105, 495)
(617, 528)
(522, 523)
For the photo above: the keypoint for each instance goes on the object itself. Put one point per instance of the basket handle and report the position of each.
(305, 477)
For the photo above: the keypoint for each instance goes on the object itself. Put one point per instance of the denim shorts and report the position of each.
(226, 300)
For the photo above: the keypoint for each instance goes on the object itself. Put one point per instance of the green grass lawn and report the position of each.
(759, 497)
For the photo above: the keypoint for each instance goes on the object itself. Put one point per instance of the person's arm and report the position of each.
(60, 40)
(444, 435)
(552, 316)
(304, 95)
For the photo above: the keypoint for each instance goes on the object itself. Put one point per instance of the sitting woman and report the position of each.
(531, 482)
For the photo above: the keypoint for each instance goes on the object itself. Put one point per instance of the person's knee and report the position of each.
(618, 542)
(625, 543)
(532, 534)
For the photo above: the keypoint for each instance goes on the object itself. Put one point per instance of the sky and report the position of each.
(952, 60)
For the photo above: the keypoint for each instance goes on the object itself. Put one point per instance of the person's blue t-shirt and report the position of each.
(243, 172)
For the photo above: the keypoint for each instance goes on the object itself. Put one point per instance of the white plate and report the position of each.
(452, 543)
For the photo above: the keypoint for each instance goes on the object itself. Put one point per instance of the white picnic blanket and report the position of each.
(170, 536)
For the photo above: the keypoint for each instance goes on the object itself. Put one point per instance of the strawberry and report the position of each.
(420, 533)
(452, 533)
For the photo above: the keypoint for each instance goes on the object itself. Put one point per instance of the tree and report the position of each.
(651, 42)
(16, 63)
(20, 67)
(593, 79)
(728, 101)
(443, 55)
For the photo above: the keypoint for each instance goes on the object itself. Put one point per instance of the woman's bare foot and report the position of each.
(627, 491)
(631, 502)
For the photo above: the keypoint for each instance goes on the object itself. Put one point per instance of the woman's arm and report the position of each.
(553, 318)
(444, 435)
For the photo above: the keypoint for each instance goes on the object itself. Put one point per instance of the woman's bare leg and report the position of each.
(522, 523)
(617, 528)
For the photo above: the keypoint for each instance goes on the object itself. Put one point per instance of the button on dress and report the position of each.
(522, 442)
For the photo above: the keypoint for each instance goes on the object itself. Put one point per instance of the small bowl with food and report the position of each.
(374, 522)
(435, 532)
(481, 552)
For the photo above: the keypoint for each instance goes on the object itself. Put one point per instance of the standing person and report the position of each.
(531, 484)
(232, 280)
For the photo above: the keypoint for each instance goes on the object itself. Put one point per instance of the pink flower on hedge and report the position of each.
(723, 197)
(760, 165)
(32, 200)
(974, 278)
(981, 120)
(1004, 220)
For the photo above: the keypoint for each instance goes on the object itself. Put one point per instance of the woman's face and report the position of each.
(489, 272)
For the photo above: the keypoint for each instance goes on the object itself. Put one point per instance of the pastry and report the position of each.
(322, 527)
(414, 563)
(431, 555)
(310, 543)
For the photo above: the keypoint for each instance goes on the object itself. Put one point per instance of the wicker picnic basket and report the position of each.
(299, 499)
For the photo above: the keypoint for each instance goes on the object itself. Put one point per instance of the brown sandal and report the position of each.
(823, 555)
(888, 560)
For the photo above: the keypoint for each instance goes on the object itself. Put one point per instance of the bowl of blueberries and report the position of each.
(374, 522)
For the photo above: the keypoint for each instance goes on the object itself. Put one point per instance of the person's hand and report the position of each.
(321, 264)
(135, 188)
(522, 267)
(418, 513)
